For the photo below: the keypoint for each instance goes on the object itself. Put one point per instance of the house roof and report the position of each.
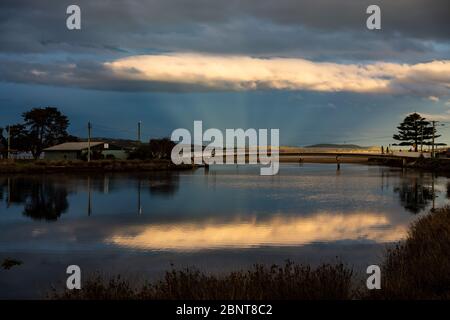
(72, 146)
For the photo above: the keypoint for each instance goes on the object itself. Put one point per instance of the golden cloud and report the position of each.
(249, 73)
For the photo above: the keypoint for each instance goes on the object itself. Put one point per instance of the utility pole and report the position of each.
(139, 131)
(89, 142)
(9, 142)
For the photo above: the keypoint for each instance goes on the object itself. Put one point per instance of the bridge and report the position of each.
(338, 157)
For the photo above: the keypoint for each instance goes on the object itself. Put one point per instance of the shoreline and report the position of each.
(78, 166)
(43, 166)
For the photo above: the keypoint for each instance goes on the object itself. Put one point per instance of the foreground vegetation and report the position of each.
(417, 268)
(288, 282)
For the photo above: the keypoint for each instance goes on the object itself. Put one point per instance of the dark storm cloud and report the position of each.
(316, 29)
(87, 75)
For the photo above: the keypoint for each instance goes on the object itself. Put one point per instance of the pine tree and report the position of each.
(415, 130)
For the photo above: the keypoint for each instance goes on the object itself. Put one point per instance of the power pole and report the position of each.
(89, 142)
(9, 142)
(139, 131)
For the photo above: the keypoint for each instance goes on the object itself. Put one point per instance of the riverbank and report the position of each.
(43, 166)
(438, 165)
(321, 159)
(417, 268)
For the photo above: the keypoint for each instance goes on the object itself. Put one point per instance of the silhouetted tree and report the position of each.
(155, 149)
(45, 127)
(413, 130)
(19, 139)
(3, 144)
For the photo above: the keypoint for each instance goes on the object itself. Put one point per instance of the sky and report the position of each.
(309, 68)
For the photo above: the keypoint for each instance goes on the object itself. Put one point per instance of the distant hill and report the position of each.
(335, 146)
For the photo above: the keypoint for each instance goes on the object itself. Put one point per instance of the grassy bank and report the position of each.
(436, 165)
(42, 166)
(290, 281)
(417, 268)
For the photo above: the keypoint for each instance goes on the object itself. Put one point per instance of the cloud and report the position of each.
(189, 72)
(437, 117)
(239, 73)
(321, 29)
(433, 98)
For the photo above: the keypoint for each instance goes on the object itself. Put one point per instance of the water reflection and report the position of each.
(223, 193)
(245, 233)
(45, 197)
(416, 194)
(42, 198)
(231, 214)
(164, 184)
(46, 201)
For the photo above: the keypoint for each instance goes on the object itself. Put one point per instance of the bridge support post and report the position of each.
(338, 163)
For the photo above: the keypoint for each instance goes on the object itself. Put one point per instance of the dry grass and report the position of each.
(417, 268)
(290, 281)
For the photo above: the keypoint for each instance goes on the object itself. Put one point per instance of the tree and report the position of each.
(161, 148)
(155, 149)
(45, 127)
(3, 144)
(18, 139)
(415, 130)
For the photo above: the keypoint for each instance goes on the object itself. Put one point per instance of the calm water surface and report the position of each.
(226, 218)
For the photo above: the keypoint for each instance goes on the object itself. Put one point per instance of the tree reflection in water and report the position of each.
(42, 197)
(415, 194)
(164, 183)
(47, 201)
(45, 197)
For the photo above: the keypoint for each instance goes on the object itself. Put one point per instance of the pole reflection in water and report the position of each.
(89, 195)
(106, 184)
(9, 193)
(139, 197)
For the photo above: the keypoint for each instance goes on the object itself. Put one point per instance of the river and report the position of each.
(224, 218)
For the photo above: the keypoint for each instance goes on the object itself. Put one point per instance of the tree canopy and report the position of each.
(415, 130)
(42, 128)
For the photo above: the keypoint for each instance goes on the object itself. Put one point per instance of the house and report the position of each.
(72, 150)
(114, 151)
